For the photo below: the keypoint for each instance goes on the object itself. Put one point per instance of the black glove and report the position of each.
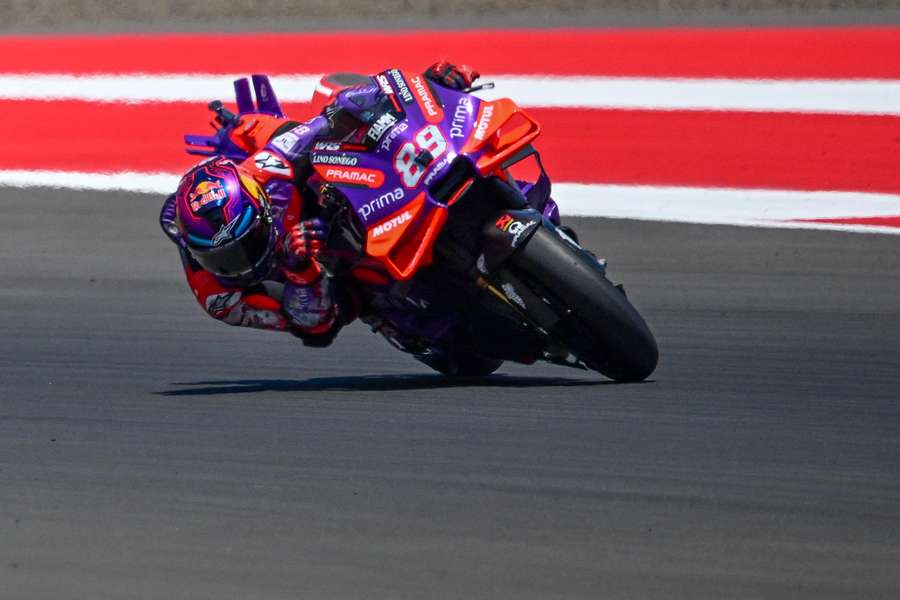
(456, 77)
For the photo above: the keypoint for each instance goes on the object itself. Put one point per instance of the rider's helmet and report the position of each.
(224, 218)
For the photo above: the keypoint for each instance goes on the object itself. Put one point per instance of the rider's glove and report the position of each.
(303, 242)
(457, 77)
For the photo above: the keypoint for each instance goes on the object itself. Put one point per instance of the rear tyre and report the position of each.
(599, 324)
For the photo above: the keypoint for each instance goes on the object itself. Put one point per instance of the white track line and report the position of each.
(126, 181)
(808, 96)
(756, 208)
(725, 206)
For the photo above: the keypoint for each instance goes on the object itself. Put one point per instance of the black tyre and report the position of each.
(462, 365)
(603, 329)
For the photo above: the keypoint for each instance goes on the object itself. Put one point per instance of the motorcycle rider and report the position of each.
(246, 221)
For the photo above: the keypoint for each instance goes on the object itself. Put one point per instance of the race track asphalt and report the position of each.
(147, 451)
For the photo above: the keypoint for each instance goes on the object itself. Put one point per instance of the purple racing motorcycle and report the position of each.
(440, 211)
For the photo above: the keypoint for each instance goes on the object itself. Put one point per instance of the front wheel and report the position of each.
(597, 322)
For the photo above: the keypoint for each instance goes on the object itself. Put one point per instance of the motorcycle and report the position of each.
(439, 209)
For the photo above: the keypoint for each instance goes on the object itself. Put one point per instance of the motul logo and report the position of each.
(487, 111)
(392, 224)
(426, 101)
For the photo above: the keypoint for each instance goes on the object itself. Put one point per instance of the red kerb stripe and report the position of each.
(848, 52)
(756, 150)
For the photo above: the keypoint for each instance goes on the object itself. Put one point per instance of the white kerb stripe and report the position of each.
(759, 208)
(809, 96)
(126, 181)
(727, 206)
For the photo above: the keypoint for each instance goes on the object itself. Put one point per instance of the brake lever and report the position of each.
(476, 88)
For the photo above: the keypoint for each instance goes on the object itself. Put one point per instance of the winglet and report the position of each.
(242, 96)
(266, 102)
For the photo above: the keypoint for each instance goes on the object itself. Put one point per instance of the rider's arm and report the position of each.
(307, 302)
(235, 306)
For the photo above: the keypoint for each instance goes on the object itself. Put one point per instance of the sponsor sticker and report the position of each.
(437, 169)
(220, 304)
(426, 100)
(345, 160)
(402, 87)
(377, 129)
(272, 163)
(287, 141)
(387, 199)
(332, 146)
(391, 224)
(461, 114)
(508, 224)
(384, 84)
(328, 146)
(206, 192)
(371, 178)
(392, 135)
(484, 121)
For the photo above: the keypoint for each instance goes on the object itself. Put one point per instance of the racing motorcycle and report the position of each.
(440, 211)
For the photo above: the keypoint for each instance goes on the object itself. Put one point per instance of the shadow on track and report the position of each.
(370, 383)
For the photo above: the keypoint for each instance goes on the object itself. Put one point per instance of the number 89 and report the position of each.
(429, 139)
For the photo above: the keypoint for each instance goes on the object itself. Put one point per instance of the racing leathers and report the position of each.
(279, 153)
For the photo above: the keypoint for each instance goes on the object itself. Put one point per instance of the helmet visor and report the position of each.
(238, 257)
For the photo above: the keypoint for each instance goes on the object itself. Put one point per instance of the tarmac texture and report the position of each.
(147, 451)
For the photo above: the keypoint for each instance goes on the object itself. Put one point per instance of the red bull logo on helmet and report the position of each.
(206, 192)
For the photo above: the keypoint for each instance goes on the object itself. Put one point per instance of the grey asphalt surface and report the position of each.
(131, 16)
(147, 451)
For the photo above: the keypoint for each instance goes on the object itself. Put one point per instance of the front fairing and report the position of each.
(411, 134)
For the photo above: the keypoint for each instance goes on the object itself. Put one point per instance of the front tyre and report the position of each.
(598, 322)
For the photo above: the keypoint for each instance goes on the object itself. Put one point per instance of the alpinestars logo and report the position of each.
(224, 232)
(266, 161)
(392, 224)
(219, 305)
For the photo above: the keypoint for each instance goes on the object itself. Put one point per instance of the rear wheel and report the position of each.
(598, 322)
